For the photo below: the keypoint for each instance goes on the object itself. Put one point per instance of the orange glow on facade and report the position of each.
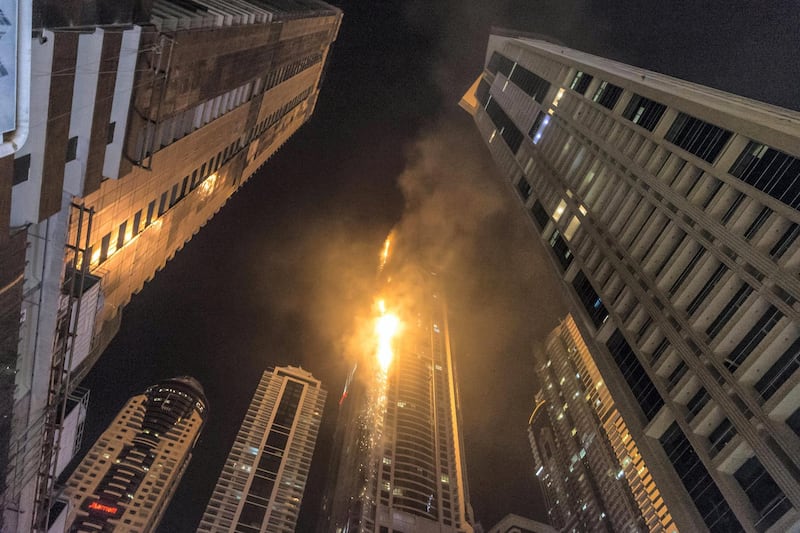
(386, 327)
(108, 509)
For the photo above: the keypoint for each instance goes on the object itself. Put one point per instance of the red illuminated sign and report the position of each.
(105, 509)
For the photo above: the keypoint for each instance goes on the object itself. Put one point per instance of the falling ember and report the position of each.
(386, 327)
(385, 252)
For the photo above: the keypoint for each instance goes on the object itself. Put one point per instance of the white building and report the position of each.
(671, 213)
(261, 485)
(127, 479)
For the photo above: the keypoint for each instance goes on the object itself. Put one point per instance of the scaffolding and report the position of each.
(77, 259)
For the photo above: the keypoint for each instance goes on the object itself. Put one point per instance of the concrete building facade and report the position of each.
(261, 485)
(141, 120)
(670, 211)
(127, 479)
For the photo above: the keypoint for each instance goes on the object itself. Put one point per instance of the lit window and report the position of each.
(559, 210)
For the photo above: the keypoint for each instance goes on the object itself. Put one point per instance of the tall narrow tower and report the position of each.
(670, 211)
(129, 476)
(261, 485)
(411, 469)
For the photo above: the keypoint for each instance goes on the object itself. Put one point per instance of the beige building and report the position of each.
(670, 211)
(261, 485)
(127, 479)
(142, 119)
(588, 464)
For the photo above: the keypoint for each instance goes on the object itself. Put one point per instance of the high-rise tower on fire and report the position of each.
(132, 124)
(670, 211)
(402, 465)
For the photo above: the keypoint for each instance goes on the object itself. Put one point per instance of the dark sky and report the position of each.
(279, 274)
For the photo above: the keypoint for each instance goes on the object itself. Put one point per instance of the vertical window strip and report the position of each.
(703, 139)
(770, 171)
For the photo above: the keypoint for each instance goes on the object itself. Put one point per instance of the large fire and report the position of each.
(386, 327)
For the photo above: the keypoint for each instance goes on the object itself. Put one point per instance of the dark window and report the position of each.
(765, 495)
(533, 85)
(580, 82)
(184, 185)
(110, 132)
(676, 375)
(277, 440)
(659, 351)
(786, 241)
(121, 235)
(729, 310)
(770, 171)
(252, 515)
(750, 341)
(780, 371)
(261, 487)
(269, 462)
(722, 435)
(524, 188)
(706, 290)
(757, 223)
(563, 253)
(704, 140)
(698, 401)
(686, 271)
(639, 382)
(194, 181)
(589, 298)
(794, 422)
(162, 204)
(482, 93)
(644, 112)
(500, 63)
(710, 502)
(173, 197)
(104, 244)
(22, 169)
(151, 208)
(505, 126)
(72, 148)
(137, 222)
(536, 123)
(539, 215)
(607, 95)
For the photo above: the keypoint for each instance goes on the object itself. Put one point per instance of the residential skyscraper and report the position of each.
(127, 479)
(261, 485)
(588, 465)
(670, 211)
(141, 120)
(404, 446)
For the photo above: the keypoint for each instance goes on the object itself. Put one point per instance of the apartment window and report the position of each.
(162, 204)
(780, 371)
(590, 299)
(524, 188)
(72, 148)
(537, 122)
(686, 271)
(705, 494)
(110, 132)
(482, 93)
(533, 85)
(722, 435)
(700, 138)
(580, 82)
(639, 382)
(659, 351)
(785, 242)
(706, 290)
(562, 251)
(539, 214)
(184, 186)
(151, 207)
(104, 245)
(750, 341)
(770, 171)
(644, 112)
(607, 95)
(698, 401)
(121, 235)
(505, 126)
(765, 495)
(500, 63)
(677, 374)
(727, 313)
(137, 222)
(22, 169)
(173, 197)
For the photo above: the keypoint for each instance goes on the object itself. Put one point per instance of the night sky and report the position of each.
(278, 275)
